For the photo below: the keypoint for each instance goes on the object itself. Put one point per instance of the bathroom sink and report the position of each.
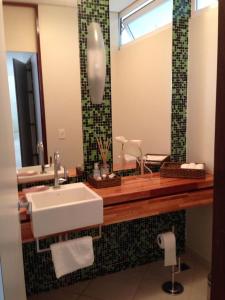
(33, 173)
(70, 207)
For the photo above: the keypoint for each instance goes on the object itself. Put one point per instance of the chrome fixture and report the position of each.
(96, 56)
(173, 287)
(122, 140)
(64, 237)
(23, 204)
(57, 166)
(138, 144)
(40, 150)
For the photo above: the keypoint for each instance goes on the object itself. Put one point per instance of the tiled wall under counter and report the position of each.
(122, 246)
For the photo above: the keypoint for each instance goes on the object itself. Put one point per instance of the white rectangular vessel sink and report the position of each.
(33, 173)
(70, 207)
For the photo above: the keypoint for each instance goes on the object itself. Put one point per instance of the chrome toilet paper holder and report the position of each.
(173, 287)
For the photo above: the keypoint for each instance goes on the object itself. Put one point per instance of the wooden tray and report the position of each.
(104, 183)
(170, 169)
(150, 163)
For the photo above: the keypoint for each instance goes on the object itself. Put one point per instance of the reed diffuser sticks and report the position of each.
(103, 146)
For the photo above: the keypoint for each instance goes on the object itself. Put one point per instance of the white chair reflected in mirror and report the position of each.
(133, 152)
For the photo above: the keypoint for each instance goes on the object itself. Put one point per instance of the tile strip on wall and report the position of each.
(181, 15)
(97, 119)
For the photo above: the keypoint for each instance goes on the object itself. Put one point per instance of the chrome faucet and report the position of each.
(40, 150)
(57, 166)
(142, 162)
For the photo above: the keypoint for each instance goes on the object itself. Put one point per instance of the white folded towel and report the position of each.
(72, 255)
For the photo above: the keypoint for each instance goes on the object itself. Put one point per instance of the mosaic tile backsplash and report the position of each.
(97, 119)
(122, 246)
(181, 14)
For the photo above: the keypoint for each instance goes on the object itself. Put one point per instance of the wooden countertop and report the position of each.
(156, 206)
(150, 186)
(148, 195)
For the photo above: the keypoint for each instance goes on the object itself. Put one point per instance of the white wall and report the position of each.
(20, 29)
(141, 90)
(10, 234)
(201, 117)
(58, 27)
(61, 80)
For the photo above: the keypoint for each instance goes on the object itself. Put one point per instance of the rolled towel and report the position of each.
(200, 166)
(72, 255)
(184, 166)
(192, 165)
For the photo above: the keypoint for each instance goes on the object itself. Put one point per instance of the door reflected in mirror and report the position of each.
(25, 105)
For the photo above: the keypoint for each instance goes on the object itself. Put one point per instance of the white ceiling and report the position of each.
(114, 5)
(118, 5)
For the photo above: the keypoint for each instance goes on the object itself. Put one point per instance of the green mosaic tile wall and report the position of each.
(97, 119)
(181, 14)
(122, 246)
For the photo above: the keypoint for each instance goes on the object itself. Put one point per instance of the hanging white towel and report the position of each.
(72, 255)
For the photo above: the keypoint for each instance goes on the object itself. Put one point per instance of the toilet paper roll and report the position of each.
(167, 241)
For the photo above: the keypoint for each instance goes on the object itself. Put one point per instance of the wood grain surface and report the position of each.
(144, 196)
(150, 186)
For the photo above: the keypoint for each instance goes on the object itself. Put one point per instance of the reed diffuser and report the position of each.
(103, 146)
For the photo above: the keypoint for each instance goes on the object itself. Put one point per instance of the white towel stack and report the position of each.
(72, 255)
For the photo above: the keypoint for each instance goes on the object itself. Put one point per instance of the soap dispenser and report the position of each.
(96, 171)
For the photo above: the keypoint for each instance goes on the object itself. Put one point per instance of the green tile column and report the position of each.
(97, 119)
(181, 15)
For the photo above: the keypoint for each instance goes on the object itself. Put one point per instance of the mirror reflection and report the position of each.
(141, 74)
(141, 66)
(25, 102)
(44, 81)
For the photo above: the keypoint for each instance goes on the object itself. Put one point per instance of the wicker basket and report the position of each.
(170, 169)
(104, 183)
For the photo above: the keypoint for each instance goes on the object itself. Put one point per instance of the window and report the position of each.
(199, 4)
(146, 18)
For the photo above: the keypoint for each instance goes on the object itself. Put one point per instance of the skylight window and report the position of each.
(146, 18)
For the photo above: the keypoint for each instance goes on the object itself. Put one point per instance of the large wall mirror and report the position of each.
(44, 78)
(141, 69)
